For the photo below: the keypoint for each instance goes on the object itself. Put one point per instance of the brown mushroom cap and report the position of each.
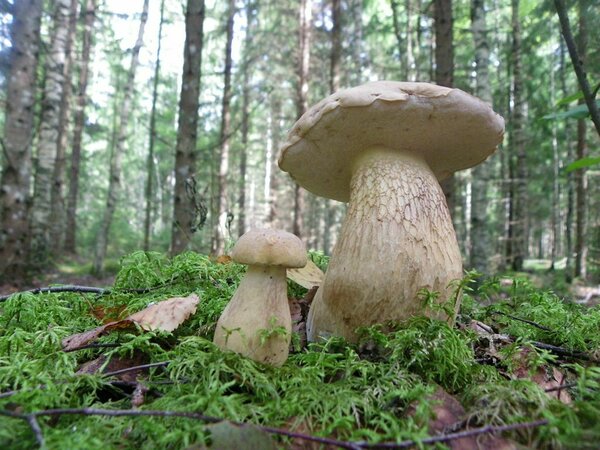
(450, 129)
(269, 247)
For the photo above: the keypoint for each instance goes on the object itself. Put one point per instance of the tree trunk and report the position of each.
(245, 118)
(581, 248)
(305, 24)
(480, 234)
(152, 138)
(222, 209)
(401, 42)
(114, 180)
(17, 140)
(184, 215)
(275, 173)
(518, 221)
(334, 85)
(57, 212)
(49, 136)
(444, 68)
(78, 125)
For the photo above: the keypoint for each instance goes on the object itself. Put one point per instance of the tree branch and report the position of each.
(577, 63)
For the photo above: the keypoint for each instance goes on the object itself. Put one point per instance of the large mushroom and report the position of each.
(383, 147)
(257, 322)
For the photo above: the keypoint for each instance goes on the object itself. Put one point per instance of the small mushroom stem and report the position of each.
(396, 239)
(259, 306)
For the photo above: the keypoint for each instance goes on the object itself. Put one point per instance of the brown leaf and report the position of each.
(116, 363)
(166, 315)
(138, 398)
(223, 259)
(108, 314)
(308, 276)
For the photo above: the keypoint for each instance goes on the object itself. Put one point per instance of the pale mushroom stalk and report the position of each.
(263, 288)
(396, 203)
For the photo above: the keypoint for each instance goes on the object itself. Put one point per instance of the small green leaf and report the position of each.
(570, 98)
(577, 112)
(582, 163)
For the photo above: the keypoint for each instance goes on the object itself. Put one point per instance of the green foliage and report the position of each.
(374, 391)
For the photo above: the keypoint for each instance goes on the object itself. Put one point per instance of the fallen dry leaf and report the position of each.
(166, 316)
(115, 364)
(308, 276)
(223, 259)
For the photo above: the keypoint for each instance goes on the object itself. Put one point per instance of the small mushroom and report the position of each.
(257, 321)
(383, 147)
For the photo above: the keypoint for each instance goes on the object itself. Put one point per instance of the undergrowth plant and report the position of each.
(378, 390)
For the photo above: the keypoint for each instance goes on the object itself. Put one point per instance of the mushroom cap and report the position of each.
(450, 129)
(269, 247)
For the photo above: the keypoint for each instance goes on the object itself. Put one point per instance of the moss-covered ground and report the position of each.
(379, 390)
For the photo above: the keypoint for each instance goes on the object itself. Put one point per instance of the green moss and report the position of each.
(376, 390)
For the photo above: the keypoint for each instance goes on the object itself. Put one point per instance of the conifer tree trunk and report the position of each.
(245, 117)
(222, 209)
(303, 67)
(334, 85)
(114, 180)
(49, 135)
(518, 164)
(152, 137)
(480, 234)
(274, 175)
(184, 218)
(17, 139)
(78, 125)
(57, 212)
(444, 68)
(581, 248)
(401, 42)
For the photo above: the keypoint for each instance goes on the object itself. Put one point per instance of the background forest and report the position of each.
(156, 124)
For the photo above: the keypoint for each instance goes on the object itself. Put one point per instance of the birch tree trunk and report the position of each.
(152, 137)
(78, 125)
(48, 142)
(17, 140)
(184, 215)
(480, 234)
(57, 212)
(518, 165)
(114, 181)
(222, 210)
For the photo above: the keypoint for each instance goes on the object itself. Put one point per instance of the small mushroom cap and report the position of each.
(269, 247)
(450, 129)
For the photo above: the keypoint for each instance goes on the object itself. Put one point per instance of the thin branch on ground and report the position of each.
(561, 387)
(93, 345)
(529, 322)
(278, 431)
(561, 351)
(134, 368)
(37, 431)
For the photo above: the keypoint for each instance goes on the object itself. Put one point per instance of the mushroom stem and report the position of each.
(257, 321)
(396, 239)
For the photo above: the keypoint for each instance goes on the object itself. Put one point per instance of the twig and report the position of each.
(561, 351)
(65, 288)
(279, 431)
(459, 435)
(561, 387)
(93, 345)
(134, 368)
(529, 322)
(577, 63)
(37, 431)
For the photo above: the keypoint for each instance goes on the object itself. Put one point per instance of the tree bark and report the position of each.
(152, 137)
(444, 69)
(114, 181)
(518, 221)
(581, 248)
(222, 210)
(305, 24)
(480, 232)
(17, 141)
(184, 216)
(250, 11)
(57, 212)
(78, 125)
(49, 137)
